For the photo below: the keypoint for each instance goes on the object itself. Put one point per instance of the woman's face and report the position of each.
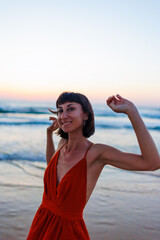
(71, 117)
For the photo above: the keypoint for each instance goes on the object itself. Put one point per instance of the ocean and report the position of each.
(124, 204)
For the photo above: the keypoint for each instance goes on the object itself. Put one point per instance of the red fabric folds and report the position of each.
(60, 216)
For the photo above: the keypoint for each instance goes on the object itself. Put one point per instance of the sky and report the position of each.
(99, 48)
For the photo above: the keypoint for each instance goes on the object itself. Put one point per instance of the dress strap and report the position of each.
(62, 146)
(88, 149)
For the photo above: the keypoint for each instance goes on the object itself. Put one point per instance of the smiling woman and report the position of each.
(77, 101)
(74, 168)
(68, 117)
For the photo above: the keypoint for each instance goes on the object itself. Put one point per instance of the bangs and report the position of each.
(68, 97)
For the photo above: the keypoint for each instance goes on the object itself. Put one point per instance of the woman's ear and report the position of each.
(85, 116)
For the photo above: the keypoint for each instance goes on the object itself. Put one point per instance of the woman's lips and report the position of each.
(66, 123)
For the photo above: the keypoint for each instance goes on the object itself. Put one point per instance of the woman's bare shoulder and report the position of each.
(94, 156)
(97, 149)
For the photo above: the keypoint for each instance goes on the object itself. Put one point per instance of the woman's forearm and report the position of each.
(50, 149)
(147, 146)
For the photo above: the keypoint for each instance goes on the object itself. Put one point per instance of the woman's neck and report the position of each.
(75, 142)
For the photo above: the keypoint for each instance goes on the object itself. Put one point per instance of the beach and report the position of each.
(124, 204)
(111, 213)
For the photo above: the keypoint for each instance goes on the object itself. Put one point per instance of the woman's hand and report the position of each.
(54, 126)
(119, 104)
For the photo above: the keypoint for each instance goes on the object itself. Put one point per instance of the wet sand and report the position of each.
(121, 217)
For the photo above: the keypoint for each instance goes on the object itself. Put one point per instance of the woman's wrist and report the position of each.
(132, 111)
(49, 132)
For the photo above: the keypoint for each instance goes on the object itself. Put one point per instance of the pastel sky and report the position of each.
(99, 48)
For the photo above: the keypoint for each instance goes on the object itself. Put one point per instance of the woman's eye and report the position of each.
(70, 109)
(59, 111)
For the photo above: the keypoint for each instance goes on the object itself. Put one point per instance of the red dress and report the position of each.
(60, 216)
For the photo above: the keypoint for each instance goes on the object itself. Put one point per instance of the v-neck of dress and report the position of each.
(67, 171)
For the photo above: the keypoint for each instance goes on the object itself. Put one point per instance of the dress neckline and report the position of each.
(58, 184)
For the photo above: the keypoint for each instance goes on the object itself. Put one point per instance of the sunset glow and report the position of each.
(97, 48)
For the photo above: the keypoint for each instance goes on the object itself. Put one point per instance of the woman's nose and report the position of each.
(64, 114)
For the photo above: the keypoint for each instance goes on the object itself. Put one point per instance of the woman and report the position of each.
(73, 169)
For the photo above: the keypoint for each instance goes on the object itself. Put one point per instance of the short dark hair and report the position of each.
(89, 126)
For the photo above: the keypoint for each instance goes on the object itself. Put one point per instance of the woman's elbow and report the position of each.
(156, 165)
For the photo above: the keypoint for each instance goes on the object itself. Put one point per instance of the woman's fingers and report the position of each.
(54, 126)
(114, 98)
(110, 99)
(116, 103)
(54, 122)
(52, 118)
(118, 96)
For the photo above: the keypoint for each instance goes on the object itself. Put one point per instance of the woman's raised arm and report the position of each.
(149, 159)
